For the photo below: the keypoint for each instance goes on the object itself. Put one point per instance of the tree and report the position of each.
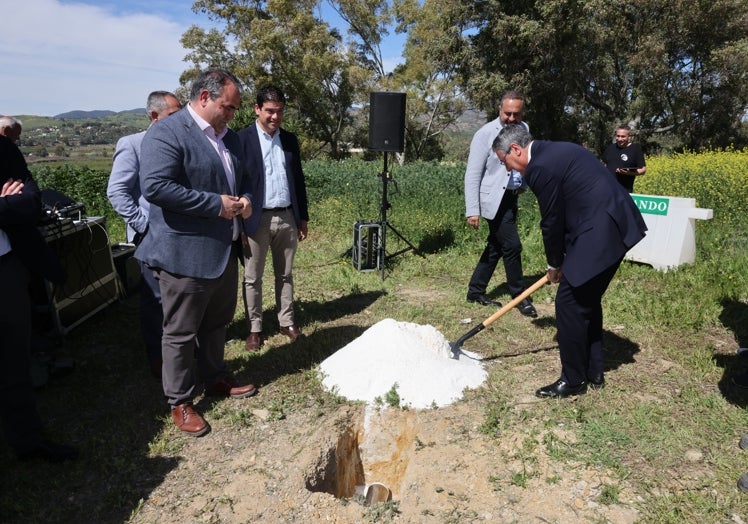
(674, 69)
(429, 75)
(284, 43)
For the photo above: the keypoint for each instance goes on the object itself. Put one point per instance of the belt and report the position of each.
(276, 209)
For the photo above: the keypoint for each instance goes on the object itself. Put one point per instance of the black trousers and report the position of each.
(579, 318)
(20, 420)
(502, 242)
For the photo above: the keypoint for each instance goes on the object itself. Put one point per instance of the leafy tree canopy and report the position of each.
(675, 70)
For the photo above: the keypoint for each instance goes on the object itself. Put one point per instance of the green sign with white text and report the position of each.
(652, 205)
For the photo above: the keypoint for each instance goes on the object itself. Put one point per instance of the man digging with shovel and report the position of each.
(589, 222)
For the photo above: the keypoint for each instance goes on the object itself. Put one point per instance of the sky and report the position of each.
(61, 56)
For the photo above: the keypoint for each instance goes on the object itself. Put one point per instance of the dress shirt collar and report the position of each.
(262, 132)
(205, 126)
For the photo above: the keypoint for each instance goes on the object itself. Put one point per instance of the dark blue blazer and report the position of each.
(250, 143)
(20, 215)
(182, 177)
(589, 221)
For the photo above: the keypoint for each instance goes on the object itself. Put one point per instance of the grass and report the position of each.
(666, 426)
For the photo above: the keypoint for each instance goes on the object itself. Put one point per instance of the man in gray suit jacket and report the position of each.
(191, 173)
(124, 193)
(589, 222)
(491, 192)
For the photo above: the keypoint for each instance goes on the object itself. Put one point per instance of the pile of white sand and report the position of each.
(413, 358)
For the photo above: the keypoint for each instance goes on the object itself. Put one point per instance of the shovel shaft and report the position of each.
(477, 329)
(455, 346)
(516, 300)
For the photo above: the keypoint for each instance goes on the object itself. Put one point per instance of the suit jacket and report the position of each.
(123, 189)
(588, 219)
(182, 177)
(250, 143)
(20, 214)
(485, 178)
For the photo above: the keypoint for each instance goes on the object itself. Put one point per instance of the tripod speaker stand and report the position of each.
(387, 134)
(384, 224)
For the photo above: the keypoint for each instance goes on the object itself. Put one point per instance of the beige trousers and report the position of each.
(278, 233)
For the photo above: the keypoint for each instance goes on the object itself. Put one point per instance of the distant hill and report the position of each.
(94, 114)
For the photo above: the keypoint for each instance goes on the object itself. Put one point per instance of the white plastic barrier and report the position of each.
(671, 234)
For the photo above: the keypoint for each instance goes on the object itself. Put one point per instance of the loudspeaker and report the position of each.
(387, 121)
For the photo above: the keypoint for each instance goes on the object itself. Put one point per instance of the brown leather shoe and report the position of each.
(292, 332)
(229, 388)
(254, 341)
(189, 420)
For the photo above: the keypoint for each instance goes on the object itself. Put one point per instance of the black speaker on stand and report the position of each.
(387, 134)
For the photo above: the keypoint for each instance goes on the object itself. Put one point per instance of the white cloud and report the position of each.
(59, 57)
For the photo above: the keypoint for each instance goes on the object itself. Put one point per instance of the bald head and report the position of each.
(10, 128)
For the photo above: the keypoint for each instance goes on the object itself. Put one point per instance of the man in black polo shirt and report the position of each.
(625, 159)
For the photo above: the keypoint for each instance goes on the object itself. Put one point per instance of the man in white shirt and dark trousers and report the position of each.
(491, 192)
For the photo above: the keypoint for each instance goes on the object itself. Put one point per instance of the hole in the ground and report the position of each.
(367, 459)
(339, 469)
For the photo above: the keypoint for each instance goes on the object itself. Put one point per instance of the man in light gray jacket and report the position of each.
(124, 193)
(491, 192)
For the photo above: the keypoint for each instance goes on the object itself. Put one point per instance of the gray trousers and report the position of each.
(196, 313)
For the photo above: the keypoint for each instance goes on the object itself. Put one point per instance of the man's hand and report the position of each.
(303, 230)
(231, 206)
(11, 187)
(554, 275)
(473, 221)
(247, 209)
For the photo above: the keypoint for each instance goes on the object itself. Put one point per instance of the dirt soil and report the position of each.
(440, 467)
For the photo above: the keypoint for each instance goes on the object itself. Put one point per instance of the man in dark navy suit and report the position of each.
(589, 222)
(23, 252)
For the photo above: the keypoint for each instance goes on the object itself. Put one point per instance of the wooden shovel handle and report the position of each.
(516, 300)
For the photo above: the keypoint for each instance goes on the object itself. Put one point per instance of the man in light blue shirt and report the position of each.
(279, 223)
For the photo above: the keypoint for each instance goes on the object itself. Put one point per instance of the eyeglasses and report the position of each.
(502, 161)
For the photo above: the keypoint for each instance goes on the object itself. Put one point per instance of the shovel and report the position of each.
(456, 346)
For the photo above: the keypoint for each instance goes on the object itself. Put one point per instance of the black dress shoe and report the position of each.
(50, 451)
(561, 389)
(596, 381)
(483, 300)
(526, 308)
